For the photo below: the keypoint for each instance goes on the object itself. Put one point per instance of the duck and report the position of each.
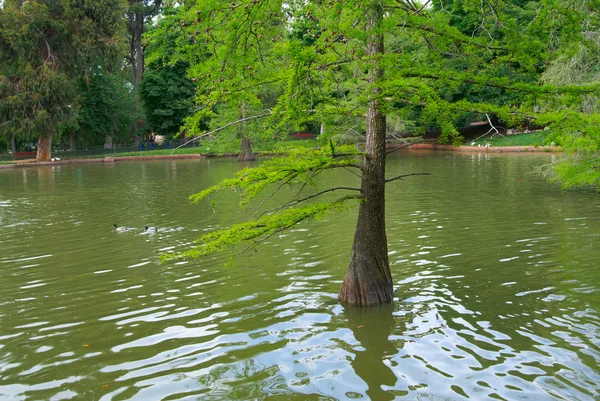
(150, 229)
(120, 229)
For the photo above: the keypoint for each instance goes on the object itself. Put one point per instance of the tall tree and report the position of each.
(46, 46)
(167, 92)
(107, 108)
(139, 13)
(369, 58)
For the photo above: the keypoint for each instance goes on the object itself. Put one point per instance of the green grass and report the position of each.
(219, 148)
(7, 162)
(527, 139)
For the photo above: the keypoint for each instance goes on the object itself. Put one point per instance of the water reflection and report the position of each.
(497, 302)
(372, 328)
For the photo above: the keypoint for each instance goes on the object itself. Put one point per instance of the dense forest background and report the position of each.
(76, 74)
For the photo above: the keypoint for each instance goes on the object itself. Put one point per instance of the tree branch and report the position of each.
(256, 242)
(402, 147)
(223, 127)
(401, 177)
(292, 203)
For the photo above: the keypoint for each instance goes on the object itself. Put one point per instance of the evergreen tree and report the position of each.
(45, 47)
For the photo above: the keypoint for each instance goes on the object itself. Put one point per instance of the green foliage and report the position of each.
(256, 231)
(318, 63)
(166, 91)
(46, 47)
(168, 97)
(298, 167)
(107, 108)
(577, 171)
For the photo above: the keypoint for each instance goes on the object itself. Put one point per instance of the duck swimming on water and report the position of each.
(120, 229)
(150, 229)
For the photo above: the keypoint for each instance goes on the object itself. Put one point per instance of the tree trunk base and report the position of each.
(72, 142)
(44, 148)
(13, 144)
(367, 283)
(246, 151)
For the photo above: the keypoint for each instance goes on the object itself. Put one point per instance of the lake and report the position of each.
(495, 273)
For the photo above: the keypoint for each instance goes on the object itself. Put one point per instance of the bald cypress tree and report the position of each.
(360, 61)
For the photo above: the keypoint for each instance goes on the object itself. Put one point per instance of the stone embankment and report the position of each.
(107, 159)
(498, 149)
(418, 146)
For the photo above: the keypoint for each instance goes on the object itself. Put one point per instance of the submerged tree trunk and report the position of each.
(246, 150)
(13, 144)
(72, 142)
(44, 148)
(369, 281)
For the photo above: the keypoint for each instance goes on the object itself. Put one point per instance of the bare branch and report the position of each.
(269, 112)
(402, 147)
(401, 177)
(290, 176)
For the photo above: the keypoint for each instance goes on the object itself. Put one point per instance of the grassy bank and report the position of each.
(217, 149)
(535, 138)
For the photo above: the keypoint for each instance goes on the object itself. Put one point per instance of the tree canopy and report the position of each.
(337, 62)
(46, 47)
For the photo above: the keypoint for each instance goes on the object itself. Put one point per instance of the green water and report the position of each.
(496, 276)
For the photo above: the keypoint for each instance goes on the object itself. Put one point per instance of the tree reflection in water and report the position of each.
(372, 327)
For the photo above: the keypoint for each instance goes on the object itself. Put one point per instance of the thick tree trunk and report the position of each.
(369, 281)
(139, 19)
(246, 153)
(72, 142)
(13, 144)
(44, 148)
(108, 142)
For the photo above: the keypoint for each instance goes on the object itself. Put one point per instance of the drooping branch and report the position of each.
(401, 177)
(257, 242)
(464, 41)
(258, 229)
(297, 201)
(268, 113)
(517, 87)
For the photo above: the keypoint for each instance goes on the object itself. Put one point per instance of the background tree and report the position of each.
(577, 49)
(166, 91)
(139, 16)
(107, 109)
(46, 46)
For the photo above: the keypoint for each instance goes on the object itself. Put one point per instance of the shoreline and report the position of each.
(418, 146)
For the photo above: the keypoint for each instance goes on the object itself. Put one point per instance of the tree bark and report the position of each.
(72, 142)
(44, 148)
(13, 144)
(369, 281)
(246, 153)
